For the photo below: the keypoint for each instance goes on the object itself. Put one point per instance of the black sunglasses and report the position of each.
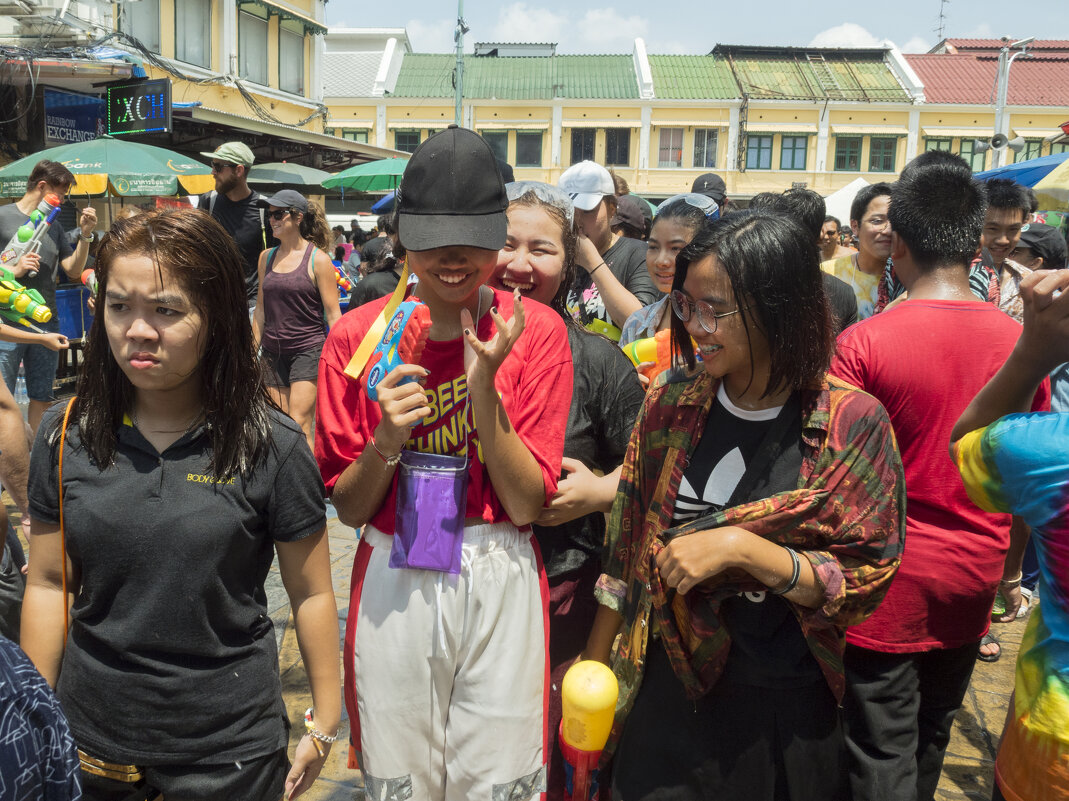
(219, 166)
(279, 214)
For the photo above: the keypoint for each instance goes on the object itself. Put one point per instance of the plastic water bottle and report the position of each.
(21, 398)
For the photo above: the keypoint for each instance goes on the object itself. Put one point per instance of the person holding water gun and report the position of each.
(32, 351)
(445, 662)
(298, 288)
(645, 333)
(611, 283)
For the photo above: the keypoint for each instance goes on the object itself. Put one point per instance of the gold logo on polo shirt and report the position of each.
(198, 478)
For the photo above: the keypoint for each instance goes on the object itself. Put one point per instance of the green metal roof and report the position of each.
(813, 74)
(692, 78)
(519, 78)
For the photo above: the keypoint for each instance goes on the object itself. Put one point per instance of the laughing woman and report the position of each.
(297, 290)
(759, 513)
(157, 503)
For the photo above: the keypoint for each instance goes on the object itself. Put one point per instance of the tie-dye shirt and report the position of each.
(1020, 464)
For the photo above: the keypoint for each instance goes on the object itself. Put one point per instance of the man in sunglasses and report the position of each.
(234, 205)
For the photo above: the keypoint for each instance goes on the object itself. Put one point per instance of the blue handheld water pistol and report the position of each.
(402, 343)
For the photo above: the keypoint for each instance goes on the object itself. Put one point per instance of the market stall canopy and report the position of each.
(288, 173)
(106, 165)
(1052, 192)
(1026, 173)
(374, 176)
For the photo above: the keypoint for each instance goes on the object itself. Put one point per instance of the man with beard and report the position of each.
(864, 270)
(234, 206)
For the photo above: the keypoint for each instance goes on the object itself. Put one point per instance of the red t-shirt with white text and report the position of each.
(534, 382)
(925, 360)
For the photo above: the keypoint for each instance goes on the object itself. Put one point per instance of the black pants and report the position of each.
(738, 743)
(259, 779)
(899, 712)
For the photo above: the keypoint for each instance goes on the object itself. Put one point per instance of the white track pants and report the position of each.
(447, 674)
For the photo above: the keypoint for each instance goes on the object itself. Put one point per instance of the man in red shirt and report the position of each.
(908, 665)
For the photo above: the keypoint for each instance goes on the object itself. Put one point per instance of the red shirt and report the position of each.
(925, 360)
(534, 382)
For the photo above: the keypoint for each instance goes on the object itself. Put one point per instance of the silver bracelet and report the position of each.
(795, 574)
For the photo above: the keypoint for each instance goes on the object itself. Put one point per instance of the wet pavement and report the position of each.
(967, 773)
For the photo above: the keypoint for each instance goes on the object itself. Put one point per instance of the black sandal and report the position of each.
(989, 639)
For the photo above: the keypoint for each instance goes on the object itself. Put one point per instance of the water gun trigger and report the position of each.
(402, 343)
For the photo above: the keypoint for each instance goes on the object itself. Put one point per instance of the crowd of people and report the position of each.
(788, 538)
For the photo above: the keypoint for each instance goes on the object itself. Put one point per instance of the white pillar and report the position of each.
(733, 139)
(644, 139)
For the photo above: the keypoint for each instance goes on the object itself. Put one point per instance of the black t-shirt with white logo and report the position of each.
(767, 646)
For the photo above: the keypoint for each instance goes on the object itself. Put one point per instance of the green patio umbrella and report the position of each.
(373, 176)
(115, 167)
(288, 173)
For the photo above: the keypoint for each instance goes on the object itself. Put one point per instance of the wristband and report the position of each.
(391, 461)
(596, 269)
(795, 573)
(1014, 582)
(85, 238)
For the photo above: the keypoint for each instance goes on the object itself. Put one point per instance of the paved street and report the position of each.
(967, 773)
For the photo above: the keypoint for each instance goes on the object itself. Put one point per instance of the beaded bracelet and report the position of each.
(795, 574)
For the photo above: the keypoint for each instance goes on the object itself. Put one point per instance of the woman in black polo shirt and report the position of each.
(179, 481)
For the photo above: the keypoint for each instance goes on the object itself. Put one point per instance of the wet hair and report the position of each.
(619, 184)
(929, 157)
(198, 254)
(314, 227)
(828, 218)
(680, 211)
(1003, 193)
(570, 242)
(863, 198)
(804, 205)
(774, 267)
(938, 211)
(52, 173)
(387, 223)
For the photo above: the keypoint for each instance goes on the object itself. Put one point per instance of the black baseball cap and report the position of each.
(452, 194)
(711, 185)
(629, 212)
(1047, 242)
(286, 199)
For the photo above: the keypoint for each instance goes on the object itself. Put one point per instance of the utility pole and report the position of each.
(458, 37)
(1002, 119)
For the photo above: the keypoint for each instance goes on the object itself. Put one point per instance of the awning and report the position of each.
(781, 127)
(601, 124)
(869, 130)
(417, 125)
(310, 25)
(1037, 133)
(963, 133)
(357, 150)
(360, 124)
(513, 125)
(660, 123)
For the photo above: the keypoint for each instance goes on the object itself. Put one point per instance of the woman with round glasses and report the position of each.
(675, 223)
(297, 291)
(539, 260)
(760, 512)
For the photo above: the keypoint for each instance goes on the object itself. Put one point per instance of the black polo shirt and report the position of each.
(171, 657)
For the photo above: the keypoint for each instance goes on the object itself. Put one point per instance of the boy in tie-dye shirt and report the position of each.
(1019, 463)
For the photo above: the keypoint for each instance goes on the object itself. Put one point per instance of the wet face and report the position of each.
(452, 275)
(874, 229)
(153, 328)
(726, 353)
(533, 257)
(1002, 230)
(667, 238)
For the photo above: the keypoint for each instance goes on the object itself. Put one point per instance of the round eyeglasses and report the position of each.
(683, 306)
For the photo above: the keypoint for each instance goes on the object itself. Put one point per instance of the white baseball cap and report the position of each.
(586, 183)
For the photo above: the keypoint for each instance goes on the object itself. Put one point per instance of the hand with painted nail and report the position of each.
(403, 406)
(482, 359)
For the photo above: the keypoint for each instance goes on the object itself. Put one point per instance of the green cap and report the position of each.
(234, 152)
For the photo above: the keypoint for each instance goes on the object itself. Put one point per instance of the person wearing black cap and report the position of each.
(446, 665)
(297, 290)
(712, 185)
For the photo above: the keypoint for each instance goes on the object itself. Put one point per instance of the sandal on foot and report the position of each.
(989, 639)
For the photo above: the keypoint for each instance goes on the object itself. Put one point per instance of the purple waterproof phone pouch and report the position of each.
(431, 494)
